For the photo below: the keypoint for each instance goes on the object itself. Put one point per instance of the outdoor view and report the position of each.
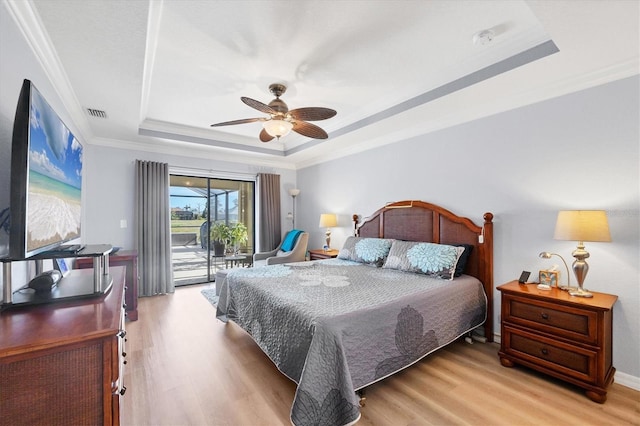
(211, 226)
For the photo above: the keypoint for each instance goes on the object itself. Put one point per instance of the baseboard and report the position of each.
(497, 338)
(627, 380)
(620, 378)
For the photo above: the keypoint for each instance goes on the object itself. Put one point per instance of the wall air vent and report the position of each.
(98, 113)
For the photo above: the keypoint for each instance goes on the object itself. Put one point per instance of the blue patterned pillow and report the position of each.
(438, 260)
(366, 250)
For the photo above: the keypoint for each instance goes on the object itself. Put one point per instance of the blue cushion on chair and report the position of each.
(290, 240)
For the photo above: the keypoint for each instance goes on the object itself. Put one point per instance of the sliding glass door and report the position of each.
(204, 212)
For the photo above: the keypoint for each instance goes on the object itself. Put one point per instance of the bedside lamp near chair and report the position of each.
(328, 220)
(581, 226)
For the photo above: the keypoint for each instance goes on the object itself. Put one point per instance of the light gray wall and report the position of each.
(579, 151)
(110, 179)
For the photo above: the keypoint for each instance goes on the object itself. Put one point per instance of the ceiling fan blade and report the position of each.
(309, 130)
(264, 136)
(243, 121)
(258, 105)
(312, 113)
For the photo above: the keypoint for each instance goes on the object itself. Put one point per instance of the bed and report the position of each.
(335, 326)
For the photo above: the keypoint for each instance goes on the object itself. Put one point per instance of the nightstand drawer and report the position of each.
(564, 358)
(574, 324)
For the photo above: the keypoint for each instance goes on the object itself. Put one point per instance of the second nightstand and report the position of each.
(566, 337)
(322, 254)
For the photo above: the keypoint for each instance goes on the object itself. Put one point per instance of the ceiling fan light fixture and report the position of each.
(277, 128)
(281, 121)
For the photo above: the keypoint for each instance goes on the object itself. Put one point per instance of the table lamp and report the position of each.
(328, 220)
(581, 226)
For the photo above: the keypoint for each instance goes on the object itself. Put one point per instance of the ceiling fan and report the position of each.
(281, 121)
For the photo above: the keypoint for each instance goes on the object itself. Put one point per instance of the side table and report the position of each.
(318, 254)
(564, 336)
(236, 260)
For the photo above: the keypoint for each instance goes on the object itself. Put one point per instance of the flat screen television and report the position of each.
(46, 178)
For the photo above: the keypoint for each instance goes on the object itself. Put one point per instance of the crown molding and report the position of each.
(184, 149)
(24, 14)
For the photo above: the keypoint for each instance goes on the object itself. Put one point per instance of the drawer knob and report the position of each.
(544, 315)
(544, 351)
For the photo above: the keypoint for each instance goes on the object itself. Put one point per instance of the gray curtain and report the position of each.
(153, 223)
(269, 193)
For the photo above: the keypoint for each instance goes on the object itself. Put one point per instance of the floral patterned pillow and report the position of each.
(439, 260)
(366, 250)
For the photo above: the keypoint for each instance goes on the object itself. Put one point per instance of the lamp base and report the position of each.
(580, 292)
(328, 239)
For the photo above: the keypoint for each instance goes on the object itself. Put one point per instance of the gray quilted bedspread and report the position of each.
(336, 326)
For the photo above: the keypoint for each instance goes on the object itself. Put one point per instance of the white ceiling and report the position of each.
(165, 70)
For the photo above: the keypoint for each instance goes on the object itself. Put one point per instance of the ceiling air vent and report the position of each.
(98, 113)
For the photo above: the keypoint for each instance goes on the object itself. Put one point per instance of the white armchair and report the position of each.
(278, 256)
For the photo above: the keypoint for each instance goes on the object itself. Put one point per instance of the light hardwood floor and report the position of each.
(187, 368)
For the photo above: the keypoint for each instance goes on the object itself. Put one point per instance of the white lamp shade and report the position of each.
(294, 192)
(582, 225)
(328, 220)
(277, 128)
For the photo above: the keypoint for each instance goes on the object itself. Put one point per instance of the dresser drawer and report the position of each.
(575, 324)
(567, 359)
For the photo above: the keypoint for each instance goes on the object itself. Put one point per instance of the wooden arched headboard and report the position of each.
(414, 220)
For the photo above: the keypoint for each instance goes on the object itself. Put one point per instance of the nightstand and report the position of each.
(322, 254)
(561, 335)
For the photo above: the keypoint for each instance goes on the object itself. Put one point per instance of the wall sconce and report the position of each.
(581, 226)
(547, 255)
(294, 192)
(328, 220)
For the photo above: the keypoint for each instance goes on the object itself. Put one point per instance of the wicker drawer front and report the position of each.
(60, 388)
(577, 325)
(566, 359)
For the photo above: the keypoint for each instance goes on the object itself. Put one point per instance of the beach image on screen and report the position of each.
(55, 178)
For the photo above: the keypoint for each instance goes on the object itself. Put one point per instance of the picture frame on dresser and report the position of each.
(61, 265)
(550, 278)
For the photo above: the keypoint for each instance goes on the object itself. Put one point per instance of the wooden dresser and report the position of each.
(62, 363)
(561, 335)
